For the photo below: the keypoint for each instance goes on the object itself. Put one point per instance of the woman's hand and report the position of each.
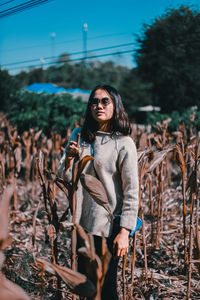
(72, 150)
(121, 243)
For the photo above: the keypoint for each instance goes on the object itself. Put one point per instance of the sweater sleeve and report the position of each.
(67, 175)
(129, 175)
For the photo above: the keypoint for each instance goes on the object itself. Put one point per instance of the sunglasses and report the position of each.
(104, 101)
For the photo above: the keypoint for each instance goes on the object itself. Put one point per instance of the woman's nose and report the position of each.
(99, 105)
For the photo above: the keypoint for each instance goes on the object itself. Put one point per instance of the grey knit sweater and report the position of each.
(116, 166)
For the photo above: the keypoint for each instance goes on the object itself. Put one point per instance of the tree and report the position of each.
(22, 79)
(84, 75)
(134, 92)
(36, 75)
(46, 111)
(8, 87)
(169, 59)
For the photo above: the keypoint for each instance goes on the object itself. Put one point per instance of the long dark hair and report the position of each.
(119, 122)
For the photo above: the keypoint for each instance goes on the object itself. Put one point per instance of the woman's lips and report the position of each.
(99, 113)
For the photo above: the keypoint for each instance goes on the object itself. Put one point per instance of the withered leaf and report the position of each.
(11, 291)
(81, 165)
(34, 224)
(49, 145)
(180, 158)
(50, 175)
(2, 258)
(40, 163)
(192, 182)
(37, 135)
(18, 158)
(51, 231)
(96, 190)
(83, 235)
(158, 158)
(75, 281)
(4, 213)
(105, 259)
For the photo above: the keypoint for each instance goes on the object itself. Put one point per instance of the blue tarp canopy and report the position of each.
(51, 88)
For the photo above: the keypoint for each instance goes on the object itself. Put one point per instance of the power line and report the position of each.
(76, 59)
(6, 2)
(67, 42)
(22, 7)
(18, 6)
(70, 54)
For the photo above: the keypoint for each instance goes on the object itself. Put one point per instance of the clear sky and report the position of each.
(56, 27)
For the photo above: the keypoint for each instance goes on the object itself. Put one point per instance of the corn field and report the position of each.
(38, 244)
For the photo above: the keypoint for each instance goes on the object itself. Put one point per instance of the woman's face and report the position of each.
(102, 107)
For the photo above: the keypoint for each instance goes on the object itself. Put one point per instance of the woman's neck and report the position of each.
(104, 127)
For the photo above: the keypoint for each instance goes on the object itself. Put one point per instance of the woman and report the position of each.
(105, 136)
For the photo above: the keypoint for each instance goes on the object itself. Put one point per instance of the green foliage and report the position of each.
(8, 87)
(168, 58)
(176, 117)
(76, 75)
(45, 111)
(134, 92)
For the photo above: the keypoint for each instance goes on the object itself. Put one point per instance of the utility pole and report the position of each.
(85, 30)
(53, 35)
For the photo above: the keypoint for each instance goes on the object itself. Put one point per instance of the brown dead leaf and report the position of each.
(4, 214)
(49, 145)
(83, 235)
(11, 291)
(75, 281)
(34, 224)
(96, 190)
(192, 182)
(37, 135)
(2, 258)
(105, 260)
(179, 155)
(158, 158)
(51, 231)
(81, 165)
(40, 163)
(18, 158)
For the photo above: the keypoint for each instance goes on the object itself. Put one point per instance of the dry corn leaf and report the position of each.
(49, 145)
(50, 194)
(93, 264)
(177, 134)
(142, 154)
(50, 175)
(81, 165)
(51, 231)
(83, 235)
(18, 158)
(192, 182)
(34, 224)
(4, 214)
(180, 158)
(105, 260)
(2, 258)
(11, 291)
(64, 186)
(40, 163)
(96, 190)
(158, 158)
(37, 135)
(75, 281)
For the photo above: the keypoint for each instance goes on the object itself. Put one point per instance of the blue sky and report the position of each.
(28, 35)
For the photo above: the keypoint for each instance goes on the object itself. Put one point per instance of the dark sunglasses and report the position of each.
(104, 101)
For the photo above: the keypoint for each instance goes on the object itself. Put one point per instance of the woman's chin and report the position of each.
(100, 118)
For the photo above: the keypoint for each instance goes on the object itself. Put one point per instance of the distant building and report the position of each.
(140, 116)
(149, 108)
(50, 88)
